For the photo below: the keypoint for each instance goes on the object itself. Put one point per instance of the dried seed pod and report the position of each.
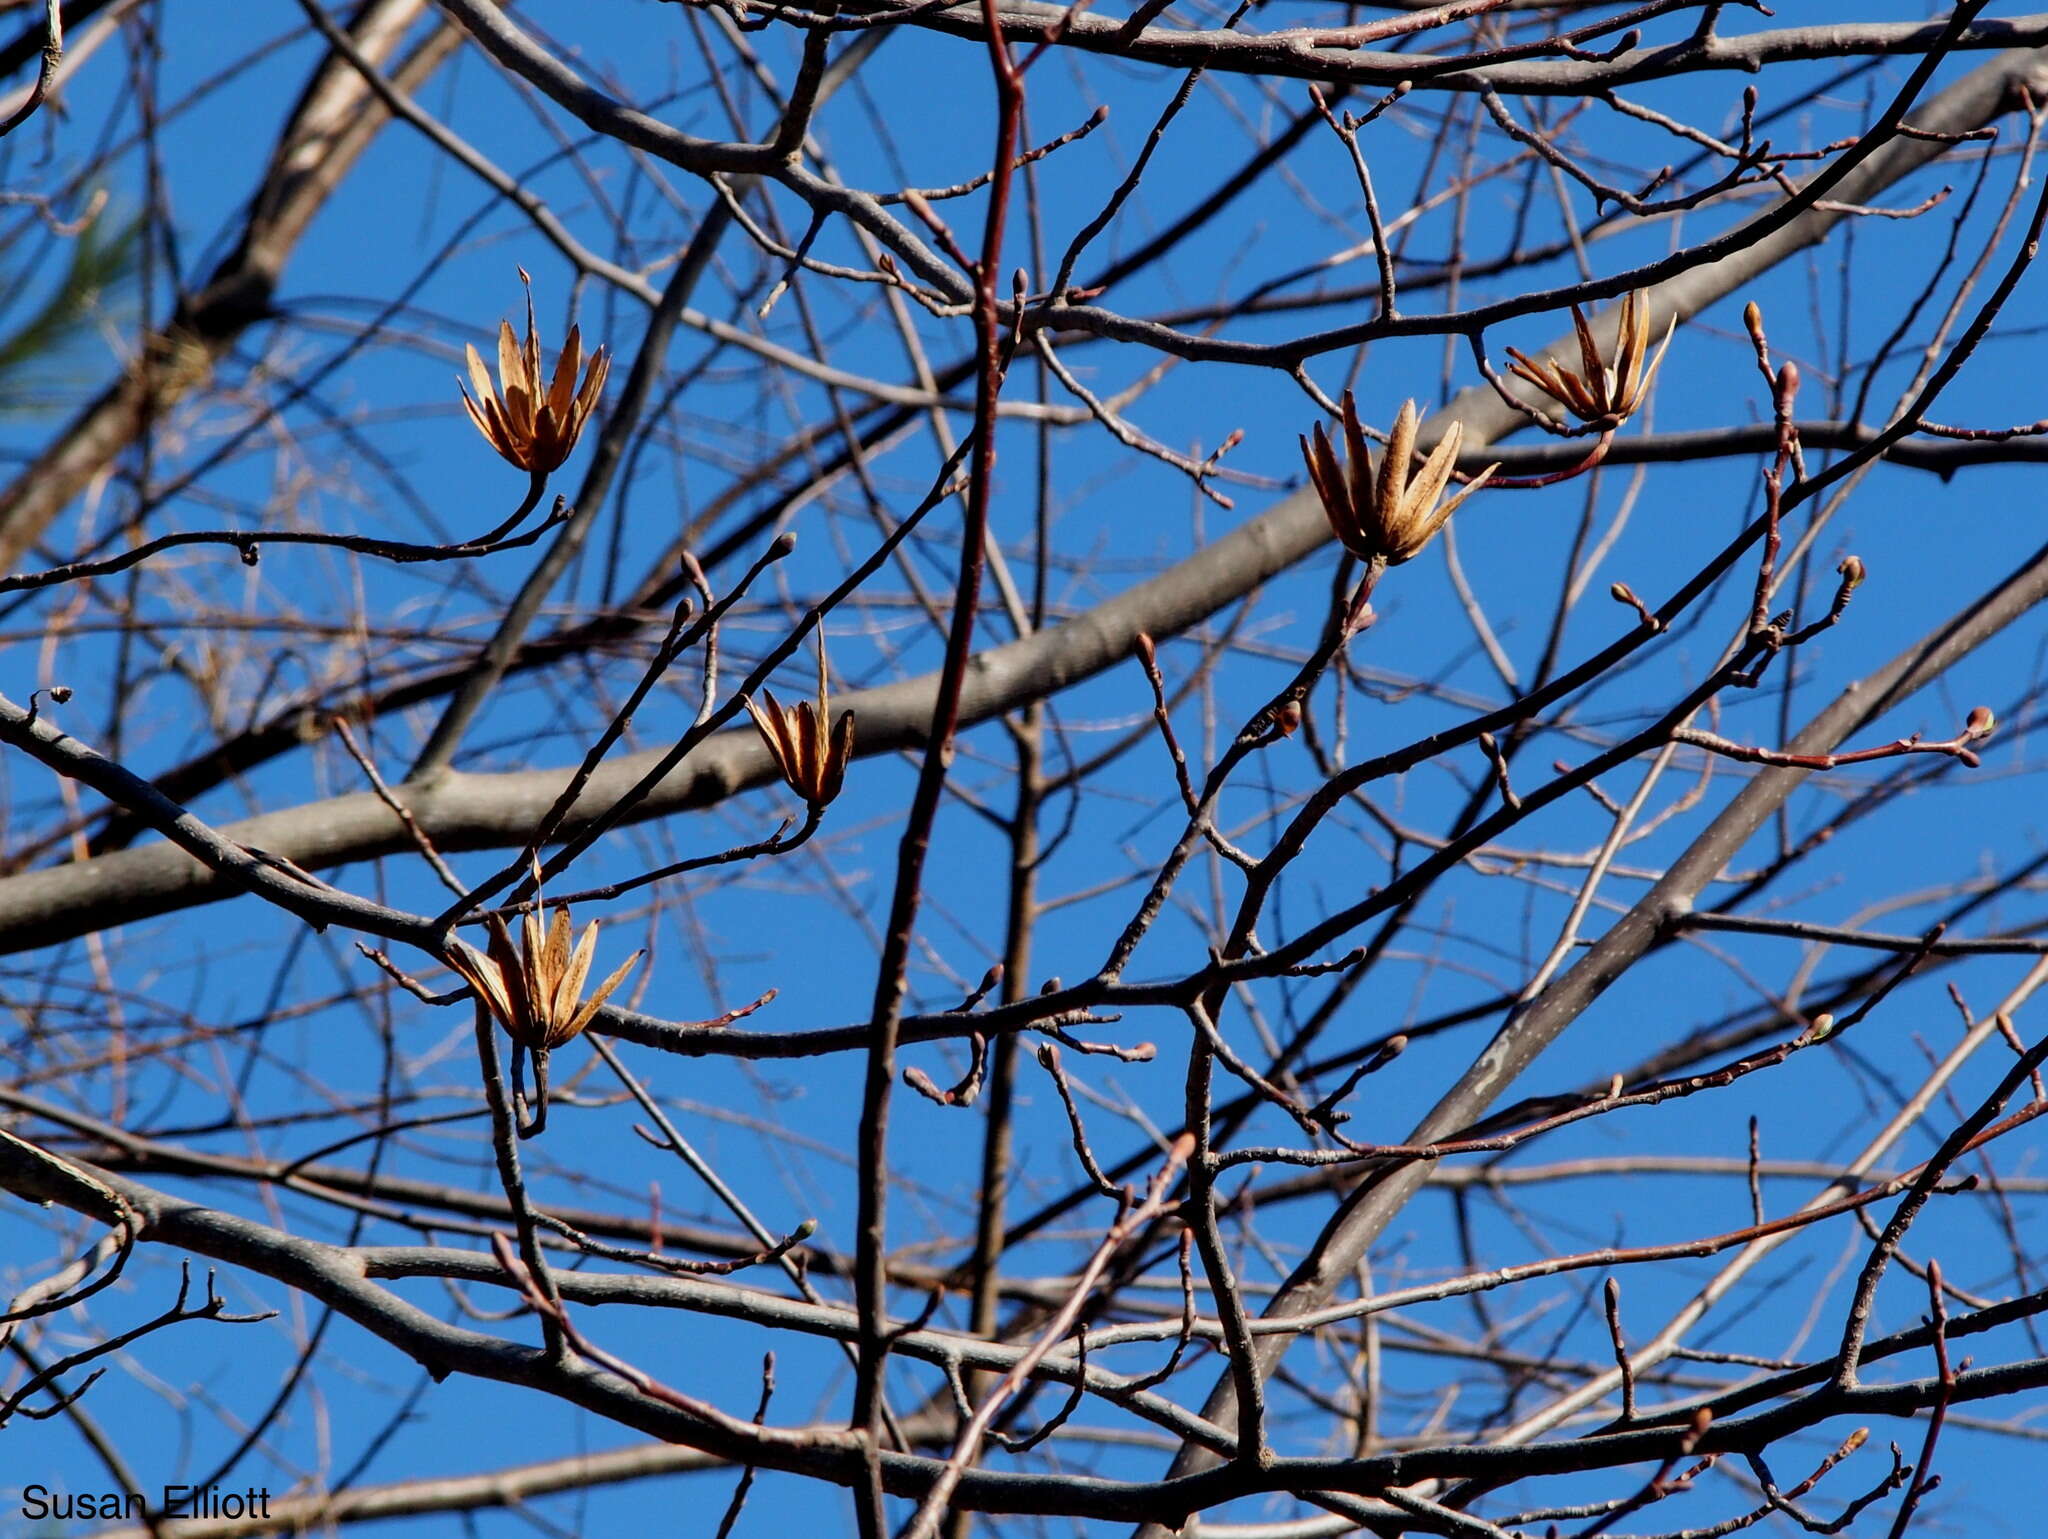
(1386, 515)
(812, 761)
(535, 990)
(534, 426)
(1599, 393)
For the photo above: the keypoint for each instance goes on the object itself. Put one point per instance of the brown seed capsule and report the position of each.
(1386, 515)
(811, 761)
(535, 990)
(1598, 392)
(536, 424)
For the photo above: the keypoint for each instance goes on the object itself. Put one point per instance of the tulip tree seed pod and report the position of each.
(531, 422)
(1386, 514)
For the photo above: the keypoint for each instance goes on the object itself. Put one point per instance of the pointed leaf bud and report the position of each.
(1753, 320)
(1787, 390)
